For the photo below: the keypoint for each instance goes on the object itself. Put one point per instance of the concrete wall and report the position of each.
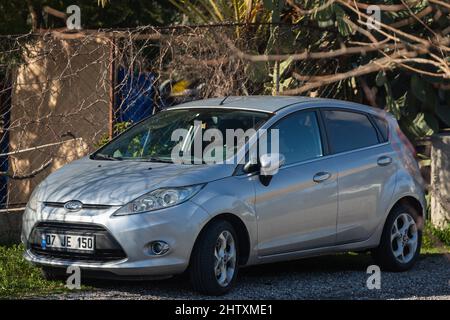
(61, 91)
(10, 227)
(63, 87)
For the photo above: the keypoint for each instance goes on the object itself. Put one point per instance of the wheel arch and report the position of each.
(241, 231)
(384, 253)
(410, 201)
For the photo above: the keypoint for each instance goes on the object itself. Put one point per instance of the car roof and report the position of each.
(270, 103)
(257, 103)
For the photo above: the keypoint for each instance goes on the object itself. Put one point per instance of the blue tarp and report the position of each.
(135, 97)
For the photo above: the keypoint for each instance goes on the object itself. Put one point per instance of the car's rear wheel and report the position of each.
(214, 261)
(401, 240)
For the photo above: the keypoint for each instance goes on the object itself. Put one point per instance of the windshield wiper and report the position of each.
(157, 159)
(101, 156)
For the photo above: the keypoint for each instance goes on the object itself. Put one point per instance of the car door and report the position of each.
(366, 172)
(297, 210)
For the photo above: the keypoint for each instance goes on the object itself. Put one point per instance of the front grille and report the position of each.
(85, 205)
(106, 247)
(72, 227)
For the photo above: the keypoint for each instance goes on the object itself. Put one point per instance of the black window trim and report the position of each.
(369, 117)
(382, 138)
(326, 150)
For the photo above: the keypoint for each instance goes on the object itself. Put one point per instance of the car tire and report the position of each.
(214, 261)
(400, 241)
(52, 274)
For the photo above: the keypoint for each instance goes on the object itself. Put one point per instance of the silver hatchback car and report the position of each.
(344, 178)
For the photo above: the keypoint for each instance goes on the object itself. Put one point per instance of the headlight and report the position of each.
(158, 199)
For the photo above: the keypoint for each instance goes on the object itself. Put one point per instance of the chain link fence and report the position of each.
(63, 94)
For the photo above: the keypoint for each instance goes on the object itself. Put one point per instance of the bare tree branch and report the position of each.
(29, 175)
(374, 66)
(441, 3)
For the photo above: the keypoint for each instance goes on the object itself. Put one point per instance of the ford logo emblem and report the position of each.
(73, 205)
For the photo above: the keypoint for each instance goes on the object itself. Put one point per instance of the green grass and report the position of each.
(18, 278)
(435, 240)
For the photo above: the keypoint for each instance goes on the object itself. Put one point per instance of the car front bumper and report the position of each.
(178, 226)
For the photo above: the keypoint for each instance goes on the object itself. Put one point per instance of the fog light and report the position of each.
(159, 247)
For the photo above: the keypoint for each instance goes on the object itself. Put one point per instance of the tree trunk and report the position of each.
(440, 180)
(35, 20)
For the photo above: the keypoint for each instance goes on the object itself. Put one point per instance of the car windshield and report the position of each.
(154, 138)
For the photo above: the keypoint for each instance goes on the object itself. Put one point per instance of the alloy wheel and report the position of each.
(404, 238)
(224, 258)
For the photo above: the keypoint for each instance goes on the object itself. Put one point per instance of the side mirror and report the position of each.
(270, 163)
(251, 165)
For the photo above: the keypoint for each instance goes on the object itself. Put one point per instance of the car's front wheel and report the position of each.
(401, 240)
(214, 261)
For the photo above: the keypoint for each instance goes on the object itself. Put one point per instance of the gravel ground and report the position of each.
(328, 277)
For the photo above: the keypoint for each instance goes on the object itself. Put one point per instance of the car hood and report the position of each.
(119, 182)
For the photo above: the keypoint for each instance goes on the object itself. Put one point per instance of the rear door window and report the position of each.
(349, 130)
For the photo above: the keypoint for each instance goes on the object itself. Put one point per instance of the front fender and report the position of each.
(233, 195)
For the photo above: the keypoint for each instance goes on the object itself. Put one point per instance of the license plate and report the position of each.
(68, 242)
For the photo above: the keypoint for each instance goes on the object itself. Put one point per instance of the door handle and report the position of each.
(384, 160)
(321, 176)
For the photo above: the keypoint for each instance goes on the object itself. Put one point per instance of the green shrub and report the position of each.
(443, 235)
(19, 278)
(435, 237)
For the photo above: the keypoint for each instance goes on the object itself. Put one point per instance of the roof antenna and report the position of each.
(223, 100)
